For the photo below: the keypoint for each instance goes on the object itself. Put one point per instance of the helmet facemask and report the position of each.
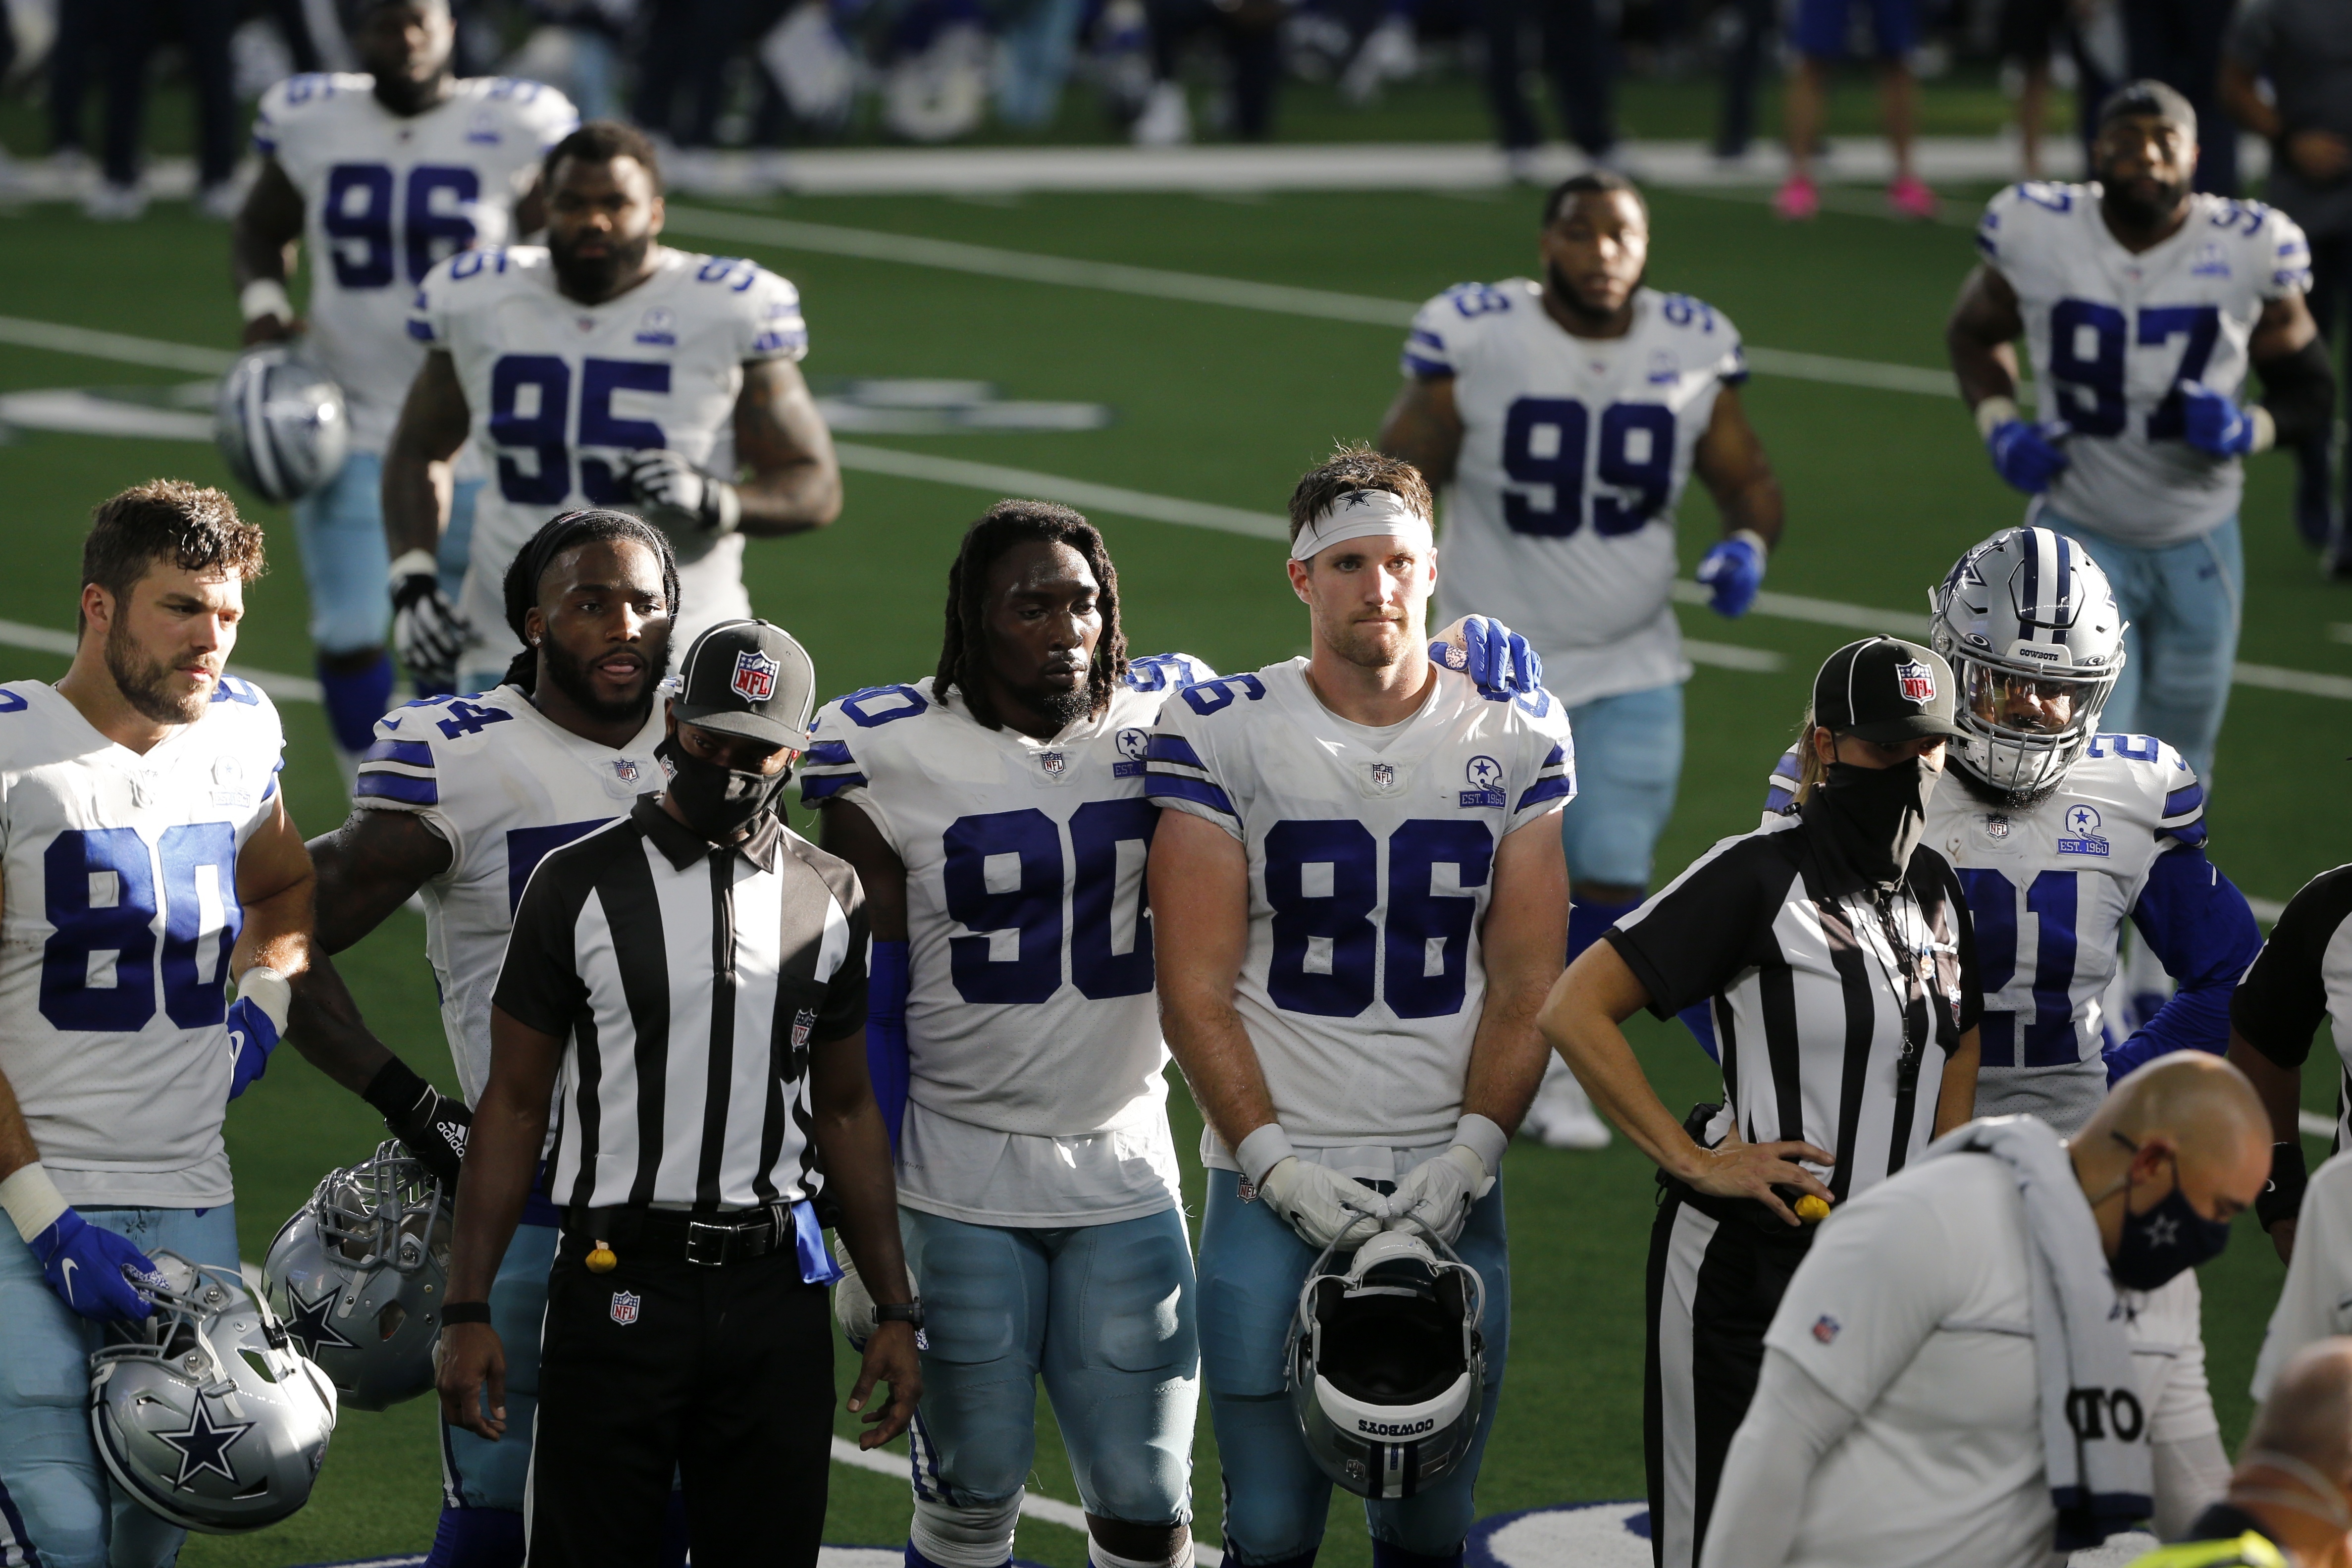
(2024, 729)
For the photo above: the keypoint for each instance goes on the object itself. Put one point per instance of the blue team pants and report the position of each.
(57, 1508)
(1276, 1499)
(1103, 1312)
(347, 564)
(1629, 762)
(2183, 602)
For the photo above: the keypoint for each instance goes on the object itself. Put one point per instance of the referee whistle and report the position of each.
(601, 1257)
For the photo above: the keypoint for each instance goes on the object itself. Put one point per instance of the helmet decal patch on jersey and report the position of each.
(754, 680)
(2082, 835)
(624, 1307)
(659, 327)
(1917, 680)
(1132, 743)
(1484, 774)
(2212, 261)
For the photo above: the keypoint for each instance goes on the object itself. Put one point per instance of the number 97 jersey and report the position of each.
(1560, 518)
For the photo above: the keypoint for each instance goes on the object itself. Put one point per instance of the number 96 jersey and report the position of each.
(561, 392)
(1560, 518)
(118, 899)
(1371, 856)
(2113, 335)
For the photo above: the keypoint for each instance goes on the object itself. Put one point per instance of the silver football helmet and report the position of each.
(359, 1275)
(2029, 624)
(207, 1413)
(1386, 1363)
(280, 423)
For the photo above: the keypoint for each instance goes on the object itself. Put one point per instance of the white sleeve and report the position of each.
(2316, 1301)
(399, 773)
(1545, 779)
(1180, 769)
(2286, 255)
(428, 313)
(1430, 343)
(546, 115)
(1881, 1275)
(769, 325)
(1760, 1500)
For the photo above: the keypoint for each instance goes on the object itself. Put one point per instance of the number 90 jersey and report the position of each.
(1371, 867)
(385, 196)
(1560, 518)
(561, 392)
(2112, 335)
(117, 913)
(1030, 1012)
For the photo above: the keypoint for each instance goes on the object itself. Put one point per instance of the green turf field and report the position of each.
(1224, 406)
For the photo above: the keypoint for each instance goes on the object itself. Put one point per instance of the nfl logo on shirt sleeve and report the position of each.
(755, 676)
(1918, 682)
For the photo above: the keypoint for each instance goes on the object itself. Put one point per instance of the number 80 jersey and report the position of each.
(118, 914)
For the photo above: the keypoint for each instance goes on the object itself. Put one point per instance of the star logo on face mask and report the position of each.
(2162, 1230)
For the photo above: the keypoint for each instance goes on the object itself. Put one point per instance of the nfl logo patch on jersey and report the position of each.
(625, 769)
(1484, 778)
(1917, 682)
(1057, 764)
(755, 676)
(1996, 828)
(1825, 1328)
(624, 1307)
(1378, 779)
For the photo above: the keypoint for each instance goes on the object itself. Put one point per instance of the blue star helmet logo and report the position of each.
(1484, 773)
(2083, 819)
(307, 1324)
(205, 1446)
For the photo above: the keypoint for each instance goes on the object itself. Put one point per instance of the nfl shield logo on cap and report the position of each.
(755, 676)
(1917, 682)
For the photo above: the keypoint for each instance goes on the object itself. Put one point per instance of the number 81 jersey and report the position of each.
(117, 913)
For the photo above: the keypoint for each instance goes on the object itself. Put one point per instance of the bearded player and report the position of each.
(1358, 902)
(458, 800)
(604, 369)
(2062, 836)
(1565, 417)
(380, 175)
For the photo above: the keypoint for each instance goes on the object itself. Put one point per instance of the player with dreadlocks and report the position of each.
(458, 799)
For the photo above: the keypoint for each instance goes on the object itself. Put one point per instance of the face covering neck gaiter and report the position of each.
(1874, 816)
(717, 801)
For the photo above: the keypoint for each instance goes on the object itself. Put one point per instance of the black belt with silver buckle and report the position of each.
(706, 1241)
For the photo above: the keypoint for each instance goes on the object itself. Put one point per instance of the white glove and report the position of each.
(693, 507)
(1436, 1195)
(427, 628)
(1322, 1206)
(853, 1308)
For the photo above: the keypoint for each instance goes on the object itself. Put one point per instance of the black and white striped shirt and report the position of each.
(1816, 983)
(688, 981)
(2302, 979)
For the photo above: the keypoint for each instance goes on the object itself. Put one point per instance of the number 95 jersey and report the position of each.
(117, 913)
(560, 393)
(2113, 333)
(1560, 517)
(1370, 869)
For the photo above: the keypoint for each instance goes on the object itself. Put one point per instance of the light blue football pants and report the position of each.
(2183, 602)
(1629, 762)
(347, 565)
(1277, 1498)
(475, 1472)
(1104, 1313)
(57, 1508)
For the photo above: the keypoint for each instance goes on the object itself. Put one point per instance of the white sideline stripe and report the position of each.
(2314, 1125)
(1160, 283)
(95, 345)
(903, 465)
(883, 1462)
(281, 688)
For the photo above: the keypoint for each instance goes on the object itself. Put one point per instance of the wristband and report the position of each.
(456, 1312)
(907, 1312)
(32, 1200)
(268, 989)
(417, 563)
(2282, 1196)
(1262, 1150)
(731, 506)
(1484, 1138)
(395, 1088)
(2266, 429)
(1993, 413)
(265, 297)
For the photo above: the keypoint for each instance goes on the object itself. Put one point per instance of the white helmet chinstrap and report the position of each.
(2029, 624)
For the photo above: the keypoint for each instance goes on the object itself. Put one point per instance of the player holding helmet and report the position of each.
(380, 175)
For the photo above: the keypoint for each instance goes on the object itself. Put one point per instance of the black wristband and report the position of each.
(456, 1312)
(2282, 1196)
(907, 1312)
(396, 1090)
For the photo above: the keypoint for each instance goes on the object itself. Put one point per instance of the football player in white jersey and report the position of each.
(2062, 834)
(458, 800)
(604, 369)
(1358, 900)
(149, 861)
(2142, 306)
(1565, 417)
(380, 175)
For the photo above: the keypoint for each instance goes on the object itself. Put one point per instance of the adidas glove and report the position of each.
(428, 1123)
(1437, 1194)
(1498, 660)
(1319, 1203)
(1734, 569)
(427, 630)
(94, 1271)
(256, 1019)
(694, 509)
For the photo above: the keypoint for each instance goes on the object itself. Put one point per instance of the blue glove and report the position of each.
(94, 1271)
(254, 1024)
(2214, 424)
(1734, 570)
(1498, 660)
(2027, 455)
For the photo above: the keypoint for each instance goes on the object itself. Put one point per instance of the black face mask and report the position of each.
(1875, 815)
(717, 801)
(2161, 1241)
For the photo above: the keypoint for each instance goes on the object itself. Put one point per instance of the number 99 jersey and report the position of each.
(2113, 335)
(385, 196)
(1560, 518)
(117, 913)
(560, 393)
(1371, 867)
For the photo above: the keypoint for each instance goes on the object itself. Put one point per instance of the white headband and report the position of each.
(1360, 514)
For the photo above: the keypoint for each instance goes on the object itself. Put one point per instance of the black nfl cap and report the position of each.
(748, 678)
(1885, 690)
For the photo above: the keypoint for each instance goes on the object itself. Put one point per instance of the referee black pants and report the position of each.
(662, 1367)
(1716, 1277)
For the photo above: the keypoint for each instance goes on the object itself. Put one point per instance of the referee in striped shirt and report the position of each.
(688, 983)
(1833, 951)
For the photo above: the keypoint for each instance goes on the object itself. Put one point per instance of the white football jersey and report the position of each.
(1560, 517)
(560, 392)
(2112, 334)
(384, 197)
(502, 785)
(117, 913)
(1370, 860)
(1035, 1089)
